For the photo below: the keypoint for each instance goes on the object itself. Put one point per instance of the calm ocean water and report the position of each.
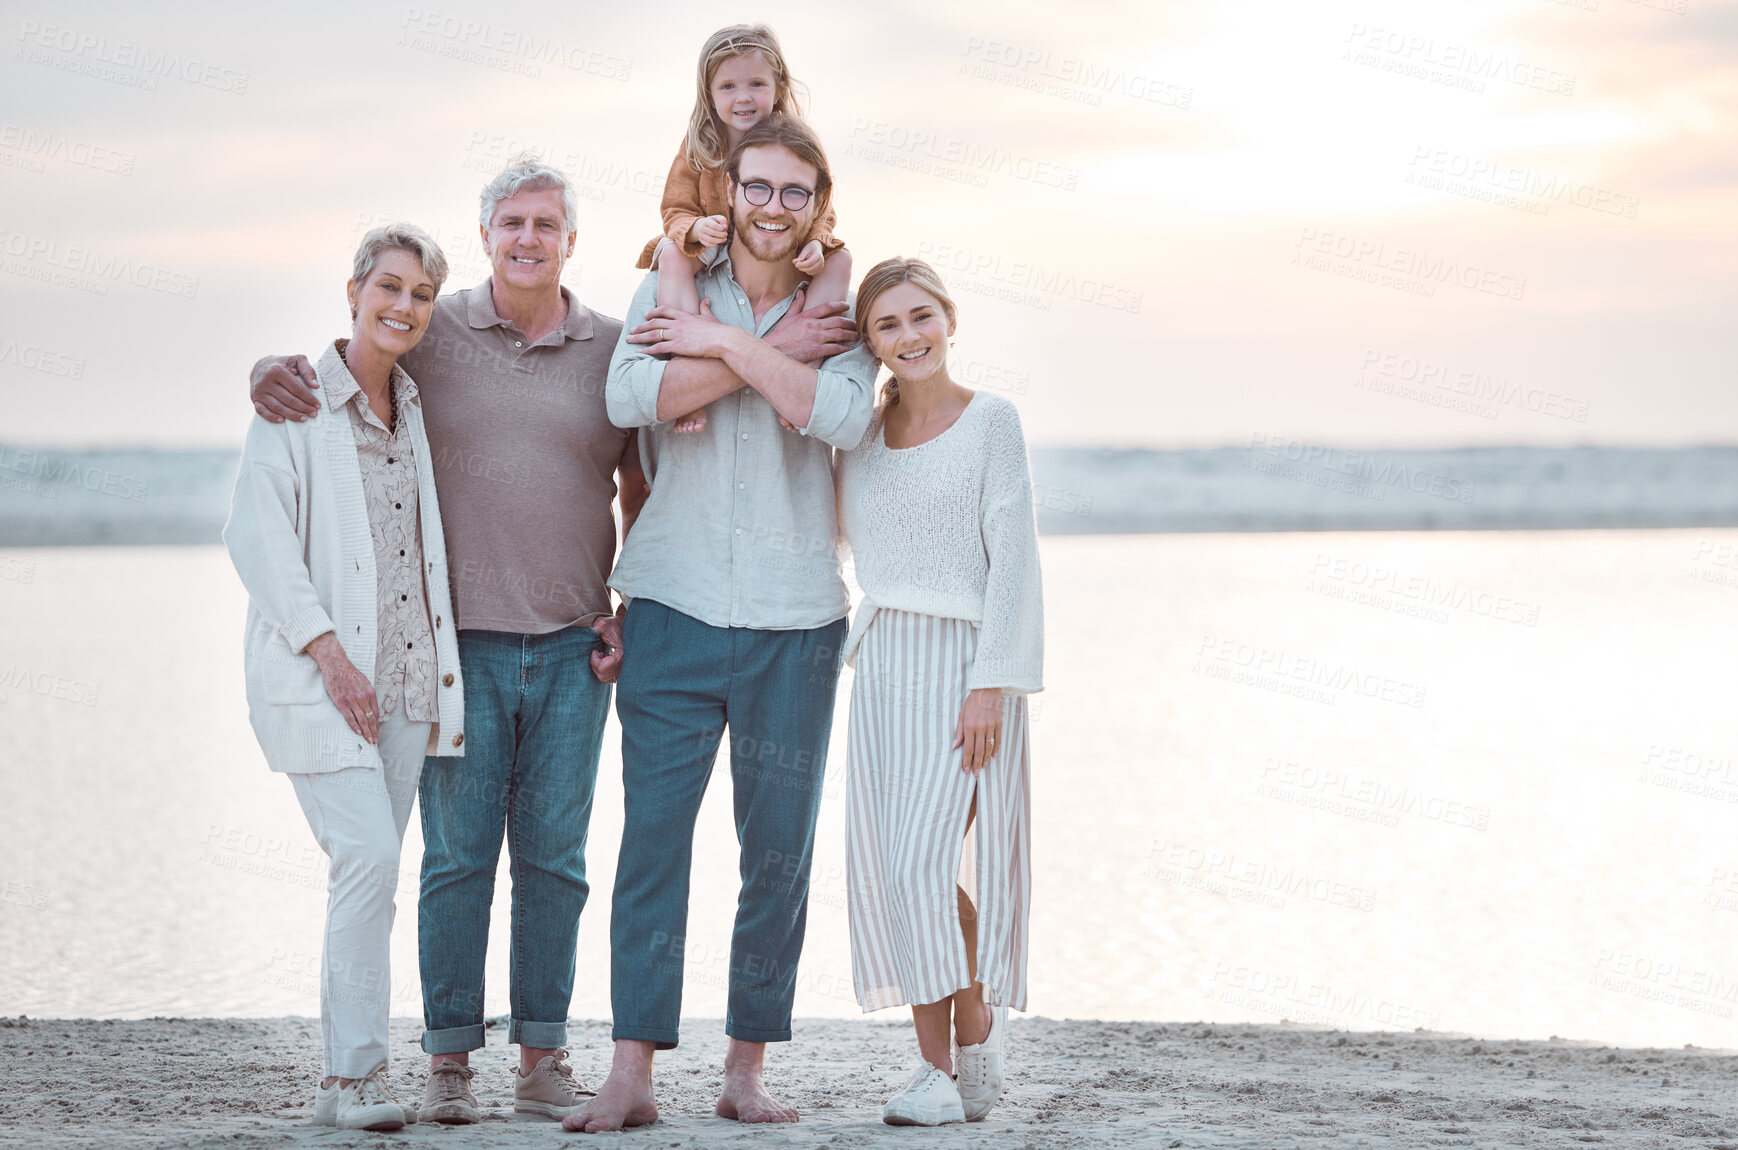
(1470, 782)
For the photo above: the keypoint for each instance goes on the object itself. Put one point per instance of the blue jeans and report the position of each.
(682, 683)
(534, 719)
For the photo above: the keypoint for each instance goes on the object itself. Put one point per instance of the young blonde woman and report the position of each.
(936, 507)
(352, 668)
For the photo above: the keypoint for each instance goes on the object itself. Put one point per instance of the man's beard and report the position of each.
(766, 247)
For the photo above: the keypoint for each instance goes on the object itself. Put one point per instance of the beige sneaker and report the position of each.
(550, 1089)
(447, 1097)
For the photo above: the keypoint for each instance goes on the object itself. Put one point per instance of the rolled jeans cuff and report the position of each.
(453, 1040)
(750, 1034)
(537, 1035)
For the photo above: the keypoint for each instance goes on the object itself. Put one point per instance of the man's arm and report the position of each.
(712, 359)
(281, 387)
(698, 376)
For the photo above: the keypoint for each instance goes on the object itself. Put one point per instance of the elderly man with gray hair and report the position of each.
(512, 375)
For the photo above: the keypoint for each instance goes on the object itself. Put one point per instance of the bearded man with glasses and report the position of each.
(736, 616)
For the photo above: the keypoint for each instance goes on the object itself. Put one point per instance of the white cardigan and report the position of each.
(299, 537)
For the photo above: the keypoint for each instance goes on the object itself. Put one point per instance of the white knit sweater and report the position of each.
(946, 528)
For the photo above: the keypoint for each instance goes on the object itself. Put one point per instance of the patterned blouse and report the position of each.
(404, 668)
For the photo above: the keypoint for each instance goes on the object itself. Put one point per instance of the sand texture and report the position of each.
(249, 1082)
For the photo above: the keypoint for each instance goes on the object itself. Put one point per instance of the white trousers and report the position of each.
(358, 817)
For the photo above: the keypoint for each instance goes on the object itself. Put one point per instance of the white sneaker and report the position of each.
(365, 1104)
(980, 1069)
(929, 1098)
(326, 1107)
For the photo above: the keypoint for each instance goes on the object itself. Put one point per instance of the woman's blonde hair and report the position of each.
(704, 146)
(891, 273)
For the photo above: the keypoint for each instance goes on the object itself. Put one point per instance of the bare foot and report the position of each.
(625, 1098)
(745, 1099)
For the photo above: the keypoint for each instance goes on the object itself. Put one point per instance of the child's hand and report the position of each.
(810, 260)
(708, 231)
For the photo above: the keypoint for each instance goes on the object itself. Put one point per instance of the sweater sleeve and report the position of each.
(262, 541)
(823, 231)
(681, 205)
(1010, 652)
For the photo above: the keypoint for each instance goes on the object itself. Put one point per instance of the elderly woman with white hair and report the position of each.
(335, 531)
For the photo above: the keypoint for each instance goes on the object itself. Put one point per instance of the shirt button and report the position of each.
(739, 531)
(745, 435)
(447, 679)
(437, 620)
(458, 740)
(390, 459)
(518, 343)
(401, 551)
(398, 507)
(404, 598)
(741, 486)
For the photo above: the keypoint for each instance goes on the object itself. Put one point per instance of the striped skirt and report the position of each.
(907, 801)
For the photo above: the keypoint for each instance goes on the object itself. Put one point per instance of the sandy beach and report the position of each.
(248, 1082)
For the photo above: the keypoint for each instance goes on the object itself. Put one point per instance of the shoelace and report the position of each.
(559, 1067)
(921, 1076)
(373, 1089)
(452, 1080)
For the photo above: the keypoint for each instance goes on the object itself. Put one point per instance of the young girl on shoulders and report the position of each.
(742, 79)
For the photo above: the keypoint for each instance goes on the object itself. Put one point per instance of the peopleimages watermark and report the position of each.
(20, 893)
(1410, 270)
(1473, 392)
(1250, 880)
(1017, 281)
(1508, 186)
(1666, 981)
(1303, 676)
(1337, 792)
(1359, 473)
(591, 176)
(919, 147)
(1715, 562)
(45, 474)
(504, 49)
(87, 269)
(1390, 586)
(1464, 66)
(32, 148)
(1064, 77)
(16, 570)
(48, 684)
(35, 357)
(120, 61)
(1690, 772)
(1296, 997)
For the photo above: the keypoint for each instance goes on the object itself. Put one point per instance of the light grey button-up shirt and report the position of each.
(740, 528)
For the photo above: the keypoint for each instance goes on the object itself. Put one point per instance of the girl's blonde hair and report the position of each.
(888, 274)
(704, 146)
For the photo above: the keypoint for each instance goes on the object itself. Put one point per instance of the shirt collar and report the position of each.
(480, 311)
(340, 387)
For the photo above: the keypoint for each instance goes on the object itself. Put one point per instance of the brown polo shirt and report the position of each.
(524, 461)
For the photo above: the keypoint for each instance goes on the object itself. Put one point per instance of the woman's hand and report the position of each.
(811, 259)
(348, 688)
(979, 729)
(708, 231)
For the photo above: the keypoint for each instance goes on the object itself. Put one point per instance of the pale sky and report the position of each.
(1176, 224)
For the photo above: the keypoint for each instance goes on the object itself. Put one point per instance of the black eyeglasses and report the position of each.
(793, 197)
